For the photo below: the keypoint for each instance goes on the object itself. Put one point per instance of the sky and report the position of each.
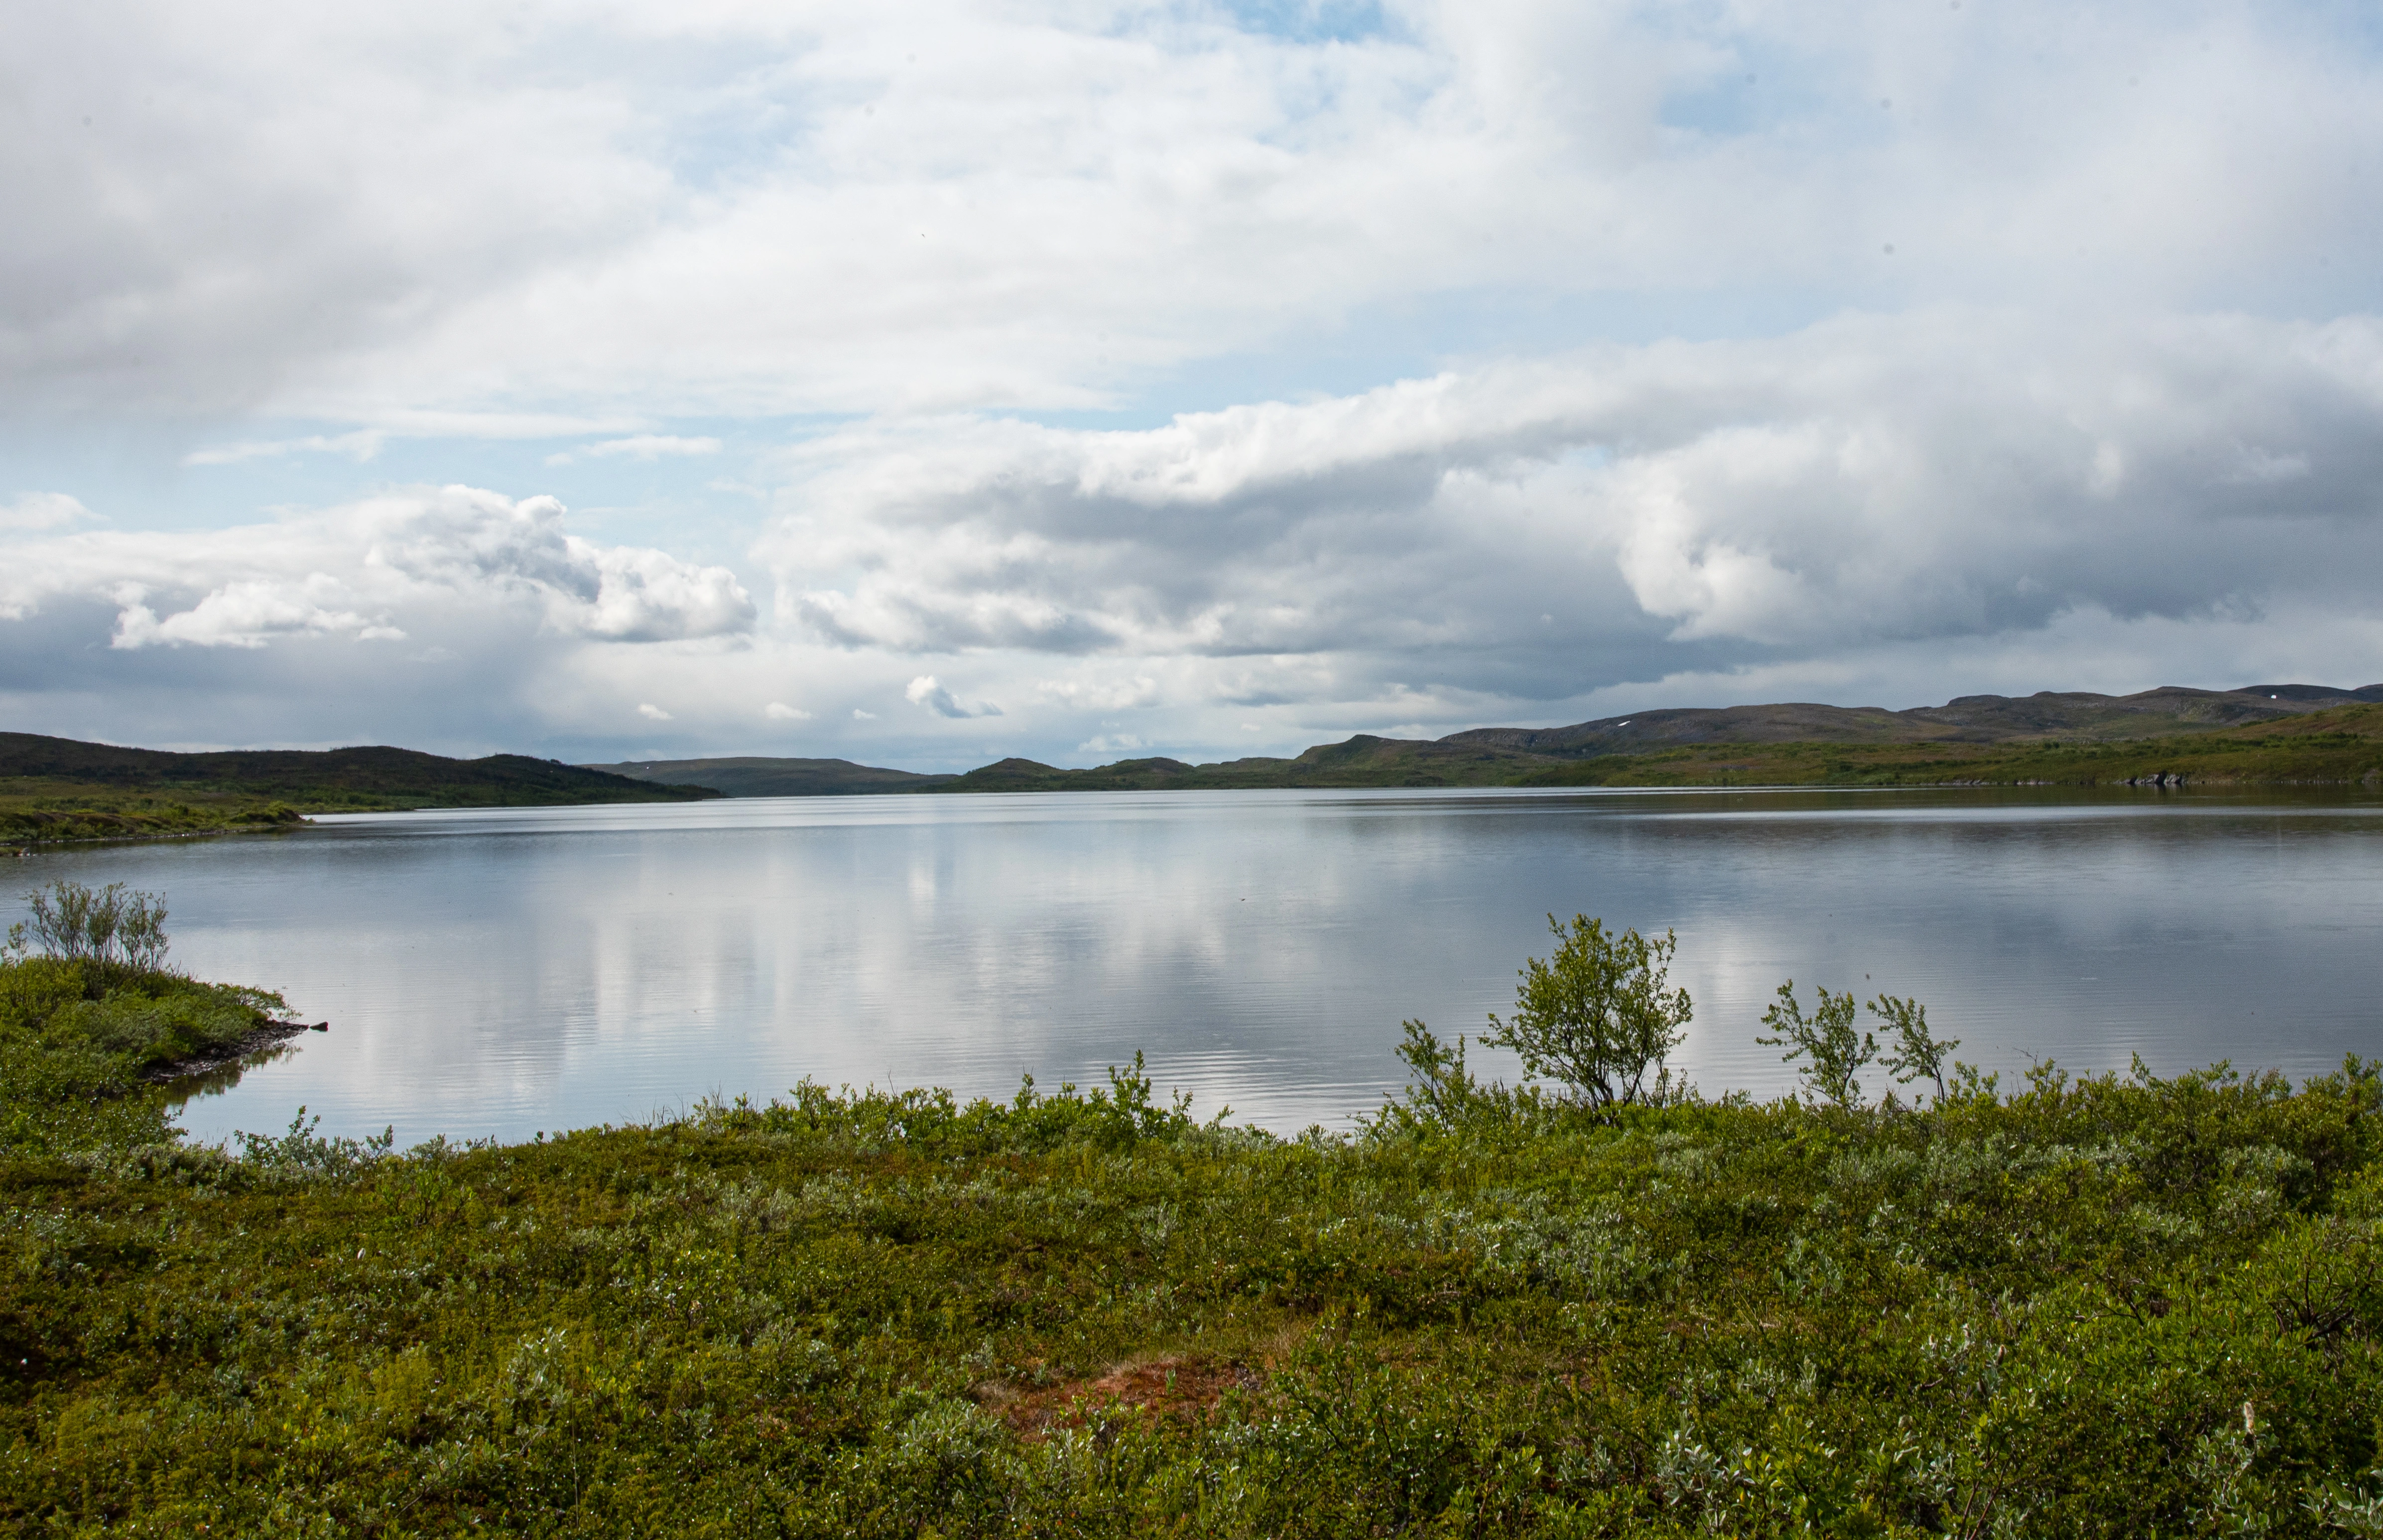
(926, 383)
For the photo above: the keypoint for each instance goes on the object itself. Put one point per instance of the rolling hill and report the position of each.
(2230, 733)
(752, 776)
(60, 788)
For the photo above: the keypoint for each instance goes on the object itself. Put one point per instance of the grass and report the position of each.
(39, 811)
(2111, 1306)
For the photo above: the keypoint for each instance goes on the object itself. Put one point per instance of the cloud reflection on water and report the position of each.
(506, 971)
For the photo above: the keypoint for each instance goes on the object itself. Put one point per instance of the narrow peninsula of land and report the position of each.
(61, 788)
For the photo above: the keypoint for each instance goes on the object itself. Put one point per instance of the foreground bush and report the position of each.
(2099, 1307)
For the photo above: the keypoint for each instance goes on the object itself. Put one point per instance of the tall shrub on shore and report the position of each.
(108, 929)
(1599, 1014)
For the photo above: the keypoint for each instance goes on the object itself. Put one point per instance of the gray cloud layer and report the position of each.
(396, 217)
(1542, 529)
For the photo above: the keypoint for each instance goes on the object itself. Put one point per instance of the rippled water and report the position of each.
(500, 972)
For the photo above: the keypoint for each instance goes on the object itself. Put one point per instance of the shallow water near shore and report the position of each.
(500, 972)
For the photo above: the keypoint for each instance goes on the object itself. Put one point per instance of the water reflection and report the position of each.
(499, 972)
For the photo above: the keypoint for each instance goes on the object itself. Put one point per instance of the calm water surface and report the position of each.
(506, 971)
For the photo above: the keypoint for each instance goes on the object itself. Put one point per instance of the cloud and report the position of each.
(780, 711)
(734, 209)
(362, 445)
(1546, 528)
(360, 568)
(645, 447)
(924, 691)
(651, 712)
(38, 511)
(1109, 694)
(1540, 355)
(652, 446)
(244, 614)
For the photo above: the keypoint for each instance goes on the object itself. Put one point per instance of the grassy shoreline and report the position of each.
(2103, 1306)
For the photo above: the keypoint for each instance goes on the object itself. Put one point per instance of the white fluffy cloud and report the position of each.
(36, 511)
(925, 691)
(359, 570)
(1616, 515)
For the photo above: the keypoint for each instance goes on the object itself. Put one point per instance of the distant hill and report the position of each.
(1801, 743)
(59, 788)
(1970, 719)
(1977, 737)
(763, 777)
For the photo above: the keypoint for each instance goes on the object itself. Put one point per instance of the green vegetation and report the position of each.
(91, 1022)
(59, 789)
(2336, 747)
(2109, 1306)
(1597, 1016)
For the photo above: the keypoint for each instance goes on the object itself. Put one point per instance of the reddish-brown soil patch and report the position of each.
(1185, 1389)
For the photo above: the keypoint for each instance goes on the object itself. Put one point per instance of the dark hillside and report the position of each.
(62, 789)
(1970, 719)
(1363, 760)
(759, 776)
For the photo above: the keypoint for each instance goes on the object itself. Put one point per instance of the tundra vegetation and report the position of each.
(2099, 1305)
(58, 789)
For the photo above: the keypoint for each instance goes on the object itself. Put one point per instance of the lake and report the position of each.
(505, 971)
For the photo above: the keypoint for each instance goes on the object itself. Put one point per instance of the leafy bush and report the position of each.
(1597, 1016)
(1832, 1049)
(107, 929)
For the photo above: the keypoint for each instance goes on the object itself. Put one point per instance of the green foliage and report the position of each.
(1832, 1049)
(2102, 1307)
(80, 1036)
(111, 930)
(1444, 1097)
(1917, 1054)
(1597, 1016)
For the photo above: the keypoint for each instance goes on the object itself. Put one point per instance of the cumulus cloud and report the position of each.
(244, 614)
(1555, 526)
(651, 712)
(778, 710)
(924, 691)
(356, 569)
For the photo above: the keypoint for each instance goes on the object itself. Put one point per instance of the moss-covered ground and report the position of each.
(2102, 1307)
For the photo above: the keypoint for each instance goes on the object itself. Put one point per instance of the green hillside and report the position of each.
(61, 788)
(2310, 743)
(2333, 747)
